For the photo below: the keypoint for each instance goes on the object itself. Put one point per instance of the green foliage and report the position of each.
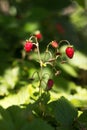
(59, 114)
(64, 112)
(81, 3)
(37, 124)
(83, 119)
(20, 117)
(5, 120)
(61, 109)
(21, 105)
(8, 82)
(20, 97)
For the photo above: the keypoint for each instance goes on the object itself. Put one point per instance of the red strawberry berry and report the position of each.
(54, 44)
(28, 46)
(50, 84)
(70, 51)
(38, 35)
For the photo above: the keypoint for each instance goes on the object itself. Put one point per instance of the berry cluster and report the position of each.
(33, 41)
(69, 50)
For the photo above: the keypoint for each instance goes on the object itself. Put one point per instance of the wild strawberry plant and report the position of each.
(52, 58)
(59, 114)
(44, 113)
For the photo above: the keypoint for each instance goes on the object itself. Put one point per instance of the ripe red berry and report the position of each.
(50, 83)
(38, 35)
(70, 51)
(28, 46)
(54, 44)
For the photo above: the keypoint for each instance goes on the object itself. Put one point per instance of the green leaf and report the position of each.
(64, 111)
(79, 60)
(83, 119)
(18, 116)
(37, 124)
(5, 120)
(9, 80)
(81, 2)
(64, 128)
(23, 96)
(69, 69)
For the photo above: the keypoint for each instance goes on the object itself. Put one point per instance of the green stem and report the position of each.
(41, 63)
(36, 72)
(39, 54)
(65, 42)
(37, 44)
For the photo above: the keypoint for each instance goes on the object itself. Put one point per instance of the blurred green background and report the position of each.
(57, 20)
